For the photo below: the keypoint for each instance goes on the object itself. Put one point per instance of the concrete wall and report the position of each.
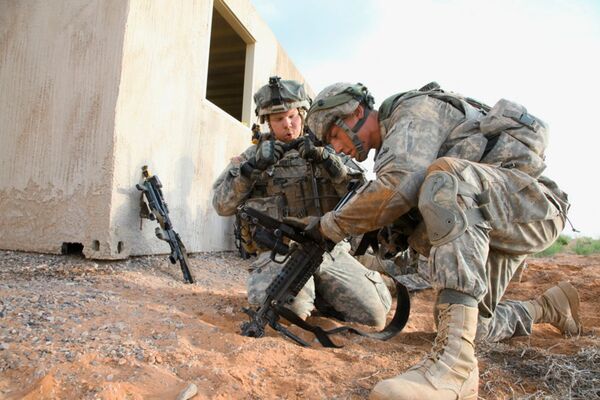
(60, 67)
(92, 90)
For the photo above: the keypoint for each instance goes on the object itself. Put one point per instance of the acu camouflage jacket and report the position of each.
(417, 130)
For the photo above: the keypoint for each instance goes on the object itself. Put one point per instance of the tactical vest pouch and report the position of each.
(519, 139)
(289, 182)
(272, 206)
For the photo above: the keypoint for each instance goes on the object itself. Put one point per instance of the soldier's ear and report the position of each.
(359, 112)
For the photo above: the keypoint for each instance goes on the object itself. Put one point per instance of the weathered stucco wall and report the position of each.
(60, 64)
(96, 89)
(158, 115)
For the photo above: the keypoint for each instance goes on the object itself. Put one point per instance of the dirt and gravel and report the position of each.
(72, 328)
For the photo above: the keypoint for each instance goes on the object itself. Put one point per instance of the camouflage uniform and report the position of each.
(426, 135)
(285, 190)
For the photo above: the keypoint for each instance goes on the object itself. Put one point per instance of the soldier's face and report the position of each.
(342, 142)
(287, 125)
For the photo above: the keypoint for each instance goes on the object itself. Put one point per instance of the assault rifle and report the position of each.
(302, 258)
(157, 209)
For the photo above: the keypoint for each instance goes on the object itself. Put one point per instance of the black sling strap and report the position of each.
(396, 325)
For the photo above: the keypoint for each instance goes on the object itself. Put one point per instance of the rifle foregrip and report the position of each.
(301, 265)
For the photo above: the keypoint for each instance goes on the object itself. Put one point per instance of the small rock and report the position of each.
(190, 391)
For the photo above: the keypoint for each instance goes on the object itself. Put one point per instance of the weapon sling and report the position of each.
(292, 279)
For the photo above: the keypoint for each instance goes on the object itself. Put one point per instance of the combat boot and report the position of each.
(449, 371)
(558, 306)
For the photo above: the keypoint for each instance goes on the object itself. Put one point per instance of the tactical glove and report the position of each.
(334, 167)
(309, 151)
(268, 153)
(312, 228)
(248, 169)
(318, 154)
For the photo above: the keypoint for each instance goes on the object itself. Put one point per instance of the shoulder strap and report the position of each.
(389, 104)
(433, 89)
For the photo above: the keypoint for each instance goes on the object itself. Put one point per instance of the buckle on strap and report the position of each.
(482, 198)
(525, 118)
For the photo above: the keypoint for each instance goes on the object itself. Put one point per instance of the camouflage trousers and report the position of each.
(482, 260)
(408, 268)
(357, 293)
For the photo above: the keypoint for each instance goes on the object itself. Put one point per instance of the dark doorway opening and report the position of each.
(226, 67)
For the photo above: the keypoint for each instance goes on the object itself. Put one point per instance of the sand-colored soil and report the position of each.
(72, 328)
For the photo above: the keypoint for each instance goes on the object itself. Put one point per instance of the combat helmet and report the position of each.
(334, 103)
(280, 96)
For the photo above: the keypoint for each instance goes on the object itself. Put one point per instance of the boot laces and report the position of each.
(442, 336)
(440, 341)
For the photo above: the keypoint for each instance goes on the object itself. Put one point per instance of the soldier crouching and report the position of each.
(286, 175)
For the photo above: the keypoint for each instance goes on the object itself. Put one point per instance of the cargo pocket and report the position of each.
(382, 291)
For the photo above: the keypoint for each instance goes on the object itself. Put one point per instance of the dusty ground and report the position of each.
(79, 329)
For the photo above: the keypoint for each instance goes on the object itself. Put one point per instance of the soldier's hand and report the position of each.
(309, 151)
(312, 228)
(268, 153)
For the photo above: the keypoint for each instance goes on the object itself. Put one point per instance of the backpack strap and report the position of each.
(389, 104)
(433, 89)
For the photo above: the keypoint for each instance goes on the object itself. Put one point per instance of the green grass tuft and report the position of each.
(563, 240)
(558, 246)
(585, 246)
(582, 246)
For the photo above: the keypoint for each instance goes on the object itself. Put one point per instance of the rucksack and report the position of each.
(515, 138)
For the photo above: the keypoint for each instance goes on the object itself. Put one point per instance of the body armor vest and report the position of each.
(294, 188)
(291, 188)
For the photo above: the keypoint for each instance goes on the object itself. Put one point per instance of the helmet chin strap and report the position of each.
(353, 133)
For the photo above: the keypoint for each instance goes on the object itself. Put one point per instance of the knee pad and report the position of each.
(443, 216)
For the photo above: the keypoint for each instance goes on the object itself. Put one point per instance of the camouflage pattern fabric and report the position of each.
(231, 189)
(356, 292)
(284, 190)
(482, 261)
(407, 267)
(322, 120)
(527, 213)
(262, 273)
